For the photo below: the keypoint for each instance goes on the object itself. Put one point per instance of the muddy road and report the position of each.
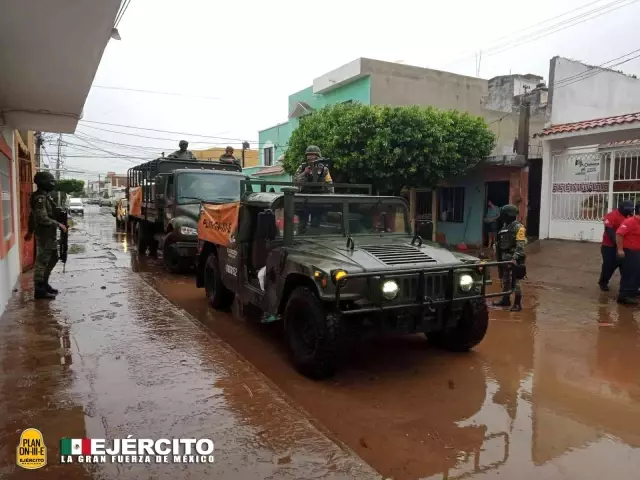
(552, 392)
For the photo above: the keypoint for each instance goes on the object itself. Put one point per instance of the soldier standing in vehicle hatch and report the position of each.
(183, 153)
(511, 242)
(312, 171)
(43, 223)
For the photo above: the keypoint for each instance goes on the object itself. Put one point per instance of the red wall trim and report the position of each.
(6, 245)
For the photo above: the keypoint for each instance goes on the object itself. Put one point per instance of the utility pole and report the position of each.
(39, 143)
(59, 155)
(523, 125)
(245, 146)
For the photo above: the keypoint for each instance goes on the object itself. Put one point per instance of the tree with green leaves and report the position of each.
(392, 147)
(70, 186)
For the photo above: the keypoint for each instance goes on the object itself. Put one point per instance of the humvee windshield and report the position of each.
(326, 218)
(196, 187)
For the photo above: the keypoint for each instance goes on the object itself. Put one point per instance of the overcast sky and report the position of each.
(247, 56)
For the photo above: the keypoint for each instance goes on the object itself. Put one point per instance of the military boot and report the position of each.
(517, 303)
(50, 289)
(505, 302)
(40, 292)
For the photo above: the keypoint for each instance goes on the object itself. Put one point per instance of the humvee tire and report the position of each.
(314, 336)
(219, 296)
(470, 330)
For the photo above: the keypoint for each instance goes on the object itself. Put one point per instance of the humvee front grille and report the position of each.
(435, 287)
(398, 254)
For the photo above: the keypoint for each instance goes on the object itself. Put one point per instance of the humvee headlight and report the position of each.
(466, 282)
(339, 277)
(390, 289)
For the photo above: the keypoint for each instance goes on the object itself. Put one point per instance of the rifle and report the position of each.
(62, 216)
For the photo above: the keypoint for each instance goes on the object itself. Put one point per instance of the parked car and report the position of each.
(76, 207)
(105, 202)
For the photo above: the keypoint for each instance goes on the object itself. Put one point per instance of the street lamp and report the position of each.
(245, 146)
(115, 34)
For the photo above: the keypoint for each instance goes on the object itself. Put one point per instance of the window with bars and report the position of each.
(268, 156)
(5, 192)
(451, 204)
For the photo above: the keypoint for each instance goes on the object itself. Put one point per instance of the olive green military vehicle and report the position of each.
(329, 265)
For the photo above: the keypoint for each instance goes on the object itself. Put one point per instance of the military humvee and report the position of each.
(329, 264)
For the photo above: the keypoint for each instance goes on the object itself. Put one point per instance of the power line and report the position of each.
(549, 30)
(123, 9)
(559, 27)
(588, 72)
(163, 131)
(137, 135)
(156, 92)
(596, 72)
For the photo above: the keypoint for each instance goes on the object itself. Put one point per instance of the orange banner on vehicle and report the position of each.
(135, 201)
(218, 223)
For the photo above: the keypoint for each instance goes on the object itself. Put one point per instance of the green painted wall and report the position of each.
(278, 136)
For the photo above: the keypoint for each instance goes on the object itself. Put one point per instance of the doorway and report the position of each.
(498, 193)
(533, 205)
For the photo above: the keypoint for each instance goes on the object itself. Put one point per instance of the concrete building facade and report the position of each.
(591, 149)
(373, 82)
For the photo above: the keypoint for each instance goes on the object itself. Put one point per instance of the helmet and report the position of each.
(312, 150)
(44, 180)
(509, 211)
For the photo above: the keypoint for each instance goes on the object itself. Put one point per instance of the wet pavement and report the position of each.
(552, 392)
(110, 357)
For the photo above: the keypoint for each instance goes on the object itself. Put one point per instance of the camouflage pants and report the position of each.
(507, 281)
(46, 258)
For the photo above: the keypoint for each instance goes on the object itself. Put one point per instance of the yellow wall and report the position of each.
(251, 157)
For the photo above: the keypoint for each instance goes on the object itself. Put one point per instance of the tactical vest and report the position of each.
(317, 174)
(507, 237)
(31, 225)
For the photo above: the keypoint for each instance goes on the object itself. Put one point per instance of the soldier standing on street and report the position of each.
(43, 223)
(612, 222)
(183, 153)
(511, 242)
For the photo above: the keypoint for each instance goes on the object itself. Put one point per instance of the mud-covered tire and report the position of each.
(219, 296)
(469, 332)
(315, 336)
(172, 261)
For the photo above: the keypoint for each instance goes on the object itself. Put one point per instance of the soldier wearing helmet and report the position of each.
(510, 247)
(313, 170)
(43, 223)
(183, 153)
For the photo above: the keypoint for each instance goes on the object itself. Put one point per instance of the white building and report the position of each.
(591, 152)
(51, 51)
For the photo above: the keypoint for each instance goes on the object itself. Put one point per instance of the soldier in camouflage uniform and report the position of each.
(43, 223)
(511, 242)
(312, 171)
(183, 153)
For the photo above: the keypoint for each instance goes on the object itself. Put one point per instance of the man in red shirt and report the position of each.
(628, 249)
(612, 222)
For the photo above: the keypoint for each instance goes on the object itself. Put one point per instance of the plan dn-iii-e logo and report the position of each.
(31, 452)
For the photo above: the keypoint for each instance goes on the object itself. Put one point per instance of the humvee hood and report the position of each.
(375, 252)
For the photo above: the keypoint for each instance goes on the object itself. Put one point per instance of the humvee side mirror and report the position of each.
(267, 229)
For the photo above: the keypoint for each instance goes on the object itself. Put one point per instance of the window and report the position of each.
(451, 204)
(268, 156)
(5, 192)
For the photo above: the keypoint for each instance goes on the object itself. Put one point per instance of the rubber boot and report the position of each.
(505, 302)
(40, 292)
(50, 289)
(627, 301)
(517, 303)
